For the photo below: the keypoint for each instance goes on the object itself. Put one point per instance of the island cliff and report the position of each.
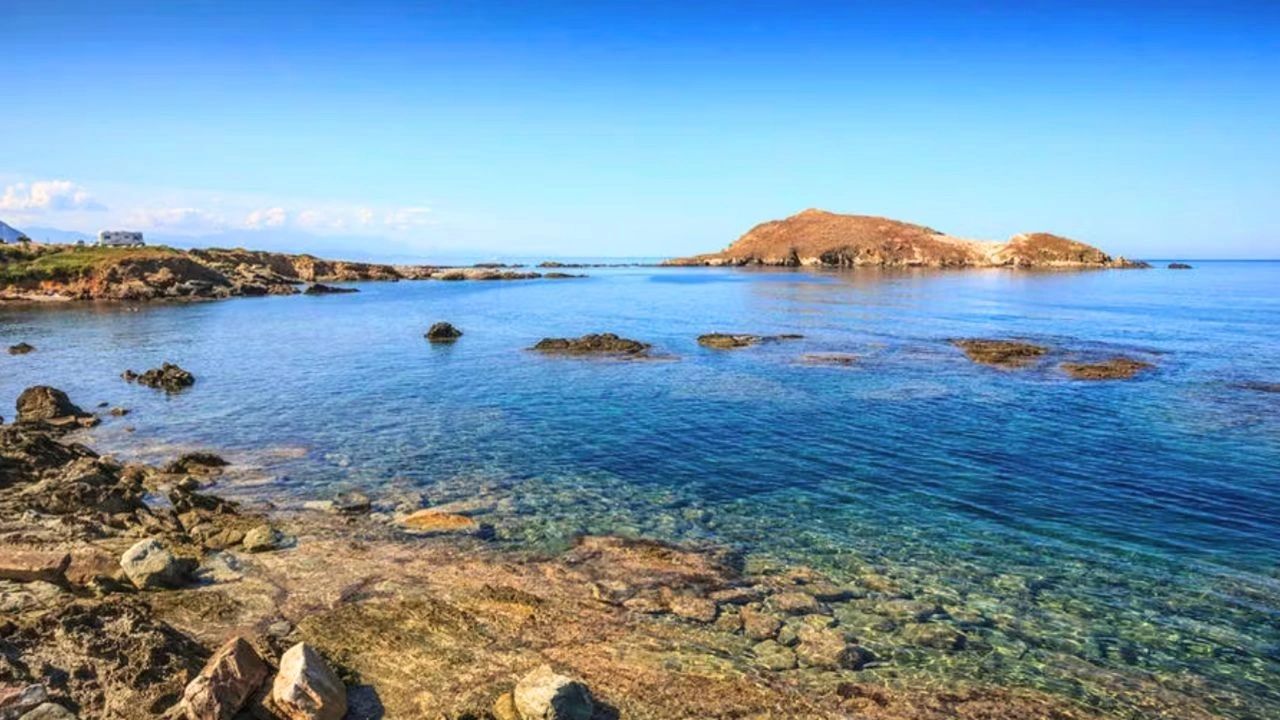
(821, 238)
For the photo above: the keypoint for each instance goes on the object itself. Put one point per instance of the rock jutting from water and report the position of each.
(594, 344)
(1116, 368)
(820, 238)
(728, 341)
(21, 348)
(442, 332)
(167, 377)
(1001, 353)
(51, 407)
(1179, 266)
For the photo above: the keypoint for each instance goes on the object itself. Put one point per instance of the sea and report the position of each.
(1107, 541)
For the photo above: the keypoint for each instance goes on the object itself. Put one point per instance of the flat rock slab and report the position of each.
(31, 565)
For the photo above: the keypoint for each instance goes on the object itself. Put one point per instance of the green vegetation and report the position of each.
(66, 262)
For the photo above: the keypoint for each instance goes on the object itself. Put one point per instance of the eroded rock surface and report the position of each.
(1001, 353)
(443, 332)
(306, 688)
(167, 377)
(593, 344)
(1117, 368)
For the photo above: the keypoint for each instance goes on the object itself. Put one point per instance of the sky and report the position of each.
(641, 128)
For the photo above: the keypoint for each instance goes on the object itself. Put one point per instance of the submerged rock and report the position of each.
(593, 344)
(726, 341)
(318, 289)
(1001, 353)
(545, 695)
(21, 349)
(443, 332)
(772, 655)
(836, 359)
(167, 377)
(433, 522)
(150, 565)
(306, 688)
(1116, 368)
(226, 683)
(829, 649)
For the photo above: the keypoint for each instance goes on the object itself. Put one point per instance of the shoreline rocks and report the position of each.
(1179, 266)
(149, 566)
(226, 683)
(305, 688)
(50, 406)
(318, 289)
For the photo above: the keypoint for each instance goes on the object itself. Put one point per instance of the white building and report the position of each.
(119, 238)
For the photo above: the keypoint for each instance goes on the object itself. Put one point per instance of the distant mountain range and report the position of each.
(9, 233)
(55, 235)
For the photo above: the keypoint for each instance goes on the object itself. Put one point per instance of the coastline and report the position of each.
(441, 623)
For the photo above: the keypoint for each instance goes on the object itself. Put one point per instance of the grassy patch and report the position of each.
(67, 263)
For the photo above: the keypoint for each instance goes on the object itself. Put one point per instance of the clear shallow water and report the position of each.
(1108, 541)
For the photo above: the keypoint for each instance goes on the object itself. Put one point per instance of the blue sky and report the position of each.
(642, 129)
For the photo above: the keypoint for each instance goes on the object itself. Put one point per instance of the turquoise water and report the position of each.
(1114, 542)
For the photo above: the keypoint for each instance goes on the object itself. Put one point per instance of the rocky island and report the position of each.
(826, 239)
(40, 272)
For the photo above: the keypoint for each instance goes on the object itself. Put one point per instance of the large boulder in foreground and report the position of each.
(593, 344)
(42, 403)
(150, 565)
(306, 688)
(820, 238)
(226, 683)
(545, 695)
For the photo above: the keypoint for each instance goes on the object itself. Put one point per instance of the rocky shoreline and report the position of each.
(130, 591)
(40, 273)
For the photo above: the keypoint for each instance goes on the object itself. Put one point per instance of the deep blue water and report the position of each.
(1132, 527)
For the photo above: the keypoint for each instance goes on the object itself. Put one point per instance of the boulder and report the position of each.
(726, 341)
(45, 404)
(1116, 368)
(306, 688)
(227, 682)
(167, 377)
(593, 344)
(443, 332)
(16, 700)
(545, 695)
(1000, 353)
(828, 648)
(30, 566)
(21, 349)
(149, 565)
(196, 463)
(353, 502)
(261, 539)
(49, 711)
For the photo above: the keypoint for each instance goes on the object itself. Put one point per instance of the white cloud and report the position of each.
(186, 219)
(267, 218)
(408, 218)
(47, 195)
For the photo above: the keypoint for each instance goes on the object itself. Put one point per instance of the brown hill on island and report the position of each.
(821, 238)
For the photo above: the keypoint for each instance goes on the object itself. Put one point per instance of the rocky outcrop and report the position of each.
(593, 344)
(1116, 368)
(167, 377)
(49, 405)
(1000, 353)
(198, 463)
(21, 349)
(1179, 266)
(442, 332)
(821, 238)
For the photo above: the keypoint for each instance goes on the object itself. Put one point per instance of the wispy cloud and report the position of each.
(267, 218)
(182, 219)
(48, 196)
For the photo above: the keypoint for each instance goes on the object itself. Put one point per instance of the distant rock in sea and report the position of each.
(826, 239)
